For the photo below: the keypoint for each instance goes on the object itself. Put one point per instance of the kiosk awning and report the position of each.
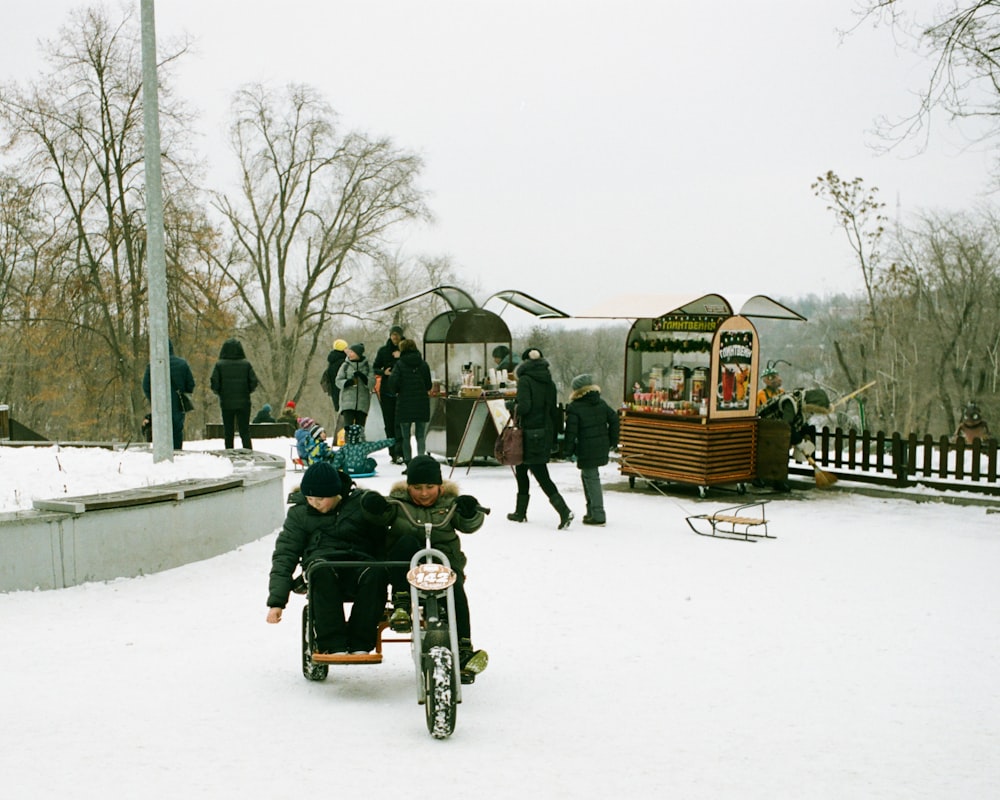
(526, 302)
(651, 306)
(460, 300)
(452, 295)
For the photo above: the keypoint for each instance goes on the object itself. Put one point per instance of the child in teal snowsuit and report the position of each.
(353, 457)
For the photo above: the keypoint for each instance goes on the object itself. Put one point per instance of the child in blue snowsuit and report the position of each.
(310, 442)
(353, 457)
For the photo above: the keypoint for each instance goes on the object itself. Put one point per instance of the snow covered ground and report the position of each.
(855, 656)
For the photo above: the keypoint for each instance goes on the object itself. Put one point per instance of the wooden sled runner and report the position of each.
(744, 523)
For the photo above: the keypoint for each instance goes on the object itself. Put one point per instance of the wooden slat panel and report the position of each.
(688, 450)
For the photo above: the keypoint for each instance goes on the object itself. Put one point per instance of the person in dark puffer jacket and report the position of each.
(326, 521)
(591, 431)
(539, 418)
(385, 362)
(410, 382)
(233, 380)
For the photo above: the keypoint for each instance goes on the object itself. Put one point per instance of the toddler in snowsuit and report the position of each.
(310, 442)
(591, 431)
(353, 457)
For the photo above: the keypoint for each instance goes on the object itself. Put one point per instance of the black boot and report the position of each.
(565, 515)
(521, 511)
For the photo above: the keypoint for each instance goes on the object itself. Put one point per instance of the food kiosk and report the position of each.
(689, 413)
(458, 347)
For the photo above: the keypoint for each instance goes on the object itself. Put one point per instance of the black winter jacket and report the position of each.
(334, 359)
(591, 428)
(181, 380)
(410, 381)
(385, 360)
(537, 411)
(346, 533)
(233, 378)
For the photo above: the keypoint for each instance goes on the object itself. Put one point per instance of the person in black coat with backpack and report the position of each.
(233, 380)
(591, 431)
(540, 421)
(334, 360)
(181, 380)
(410, 382)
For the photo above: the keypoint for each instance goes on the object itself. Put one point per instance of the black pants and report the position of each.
(403, 550)
(388, 404)
(353, 417)
(541, 473)
(329, 589)
(233, 417)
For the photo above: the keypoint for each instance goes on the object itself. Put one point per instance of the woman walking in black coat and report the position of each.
(233, 380)
(410, 381)
(539, 418)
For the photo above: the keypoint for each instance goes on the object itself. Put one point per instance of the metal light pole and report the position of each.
(159, 356)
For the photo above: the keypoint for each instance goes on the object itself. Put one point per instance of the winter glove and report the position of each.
(374, 503)
(466, 505)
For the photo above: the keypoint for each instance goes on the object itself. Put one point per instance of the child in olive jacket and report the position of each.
(428, 498)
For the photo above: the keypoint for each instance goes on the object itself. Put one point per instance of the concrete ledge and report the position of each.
(141, 531)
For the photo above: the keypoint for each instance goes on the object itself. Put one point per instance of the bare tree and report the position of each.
(314, 208)
(944, 323)
(963, 80)
(858, 212)
(76, 138)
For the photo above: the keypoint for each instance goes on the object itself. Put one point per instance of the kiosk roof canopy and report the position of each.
(651, 306)
(460, 300)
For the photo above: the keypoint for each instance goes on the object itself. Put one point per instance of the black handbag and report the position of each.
(186, 401)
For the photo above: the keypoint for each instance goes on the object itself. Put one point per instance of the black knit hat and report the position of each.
(321, 480)
(359, 349)
(423, 469)
(531, 353)
(395, 329)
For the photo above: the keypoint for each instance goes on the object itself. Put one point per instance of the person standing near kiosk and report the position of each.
(385, 361)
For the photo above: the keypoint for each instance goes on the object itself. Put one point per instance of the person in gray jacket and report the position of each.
(354, 379)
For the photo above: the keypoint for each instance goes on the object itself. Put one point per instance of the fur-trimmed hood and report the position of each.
(448, 489)
(576, 395)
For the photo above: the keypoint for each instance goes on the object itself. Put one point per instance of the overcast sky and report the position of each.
(576, 149)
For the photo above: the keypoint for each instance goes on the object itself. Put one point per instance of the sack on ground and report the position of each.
(186, 401)
(509, 446)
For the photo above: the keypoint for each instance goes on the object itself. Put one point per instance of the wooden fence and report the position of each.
(880, 458)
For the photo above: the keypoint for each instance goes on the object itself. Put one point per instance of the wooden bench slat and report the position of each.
(347, 658)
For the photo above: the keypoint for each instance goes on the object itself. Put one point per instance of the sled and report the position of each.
(371, 474)
(745, 523)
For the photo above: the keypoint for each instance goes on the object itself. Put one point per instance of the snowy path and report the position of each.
(855, 656)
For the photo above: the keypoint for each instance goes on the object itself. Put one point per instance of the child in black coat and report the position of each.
(591, 431)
